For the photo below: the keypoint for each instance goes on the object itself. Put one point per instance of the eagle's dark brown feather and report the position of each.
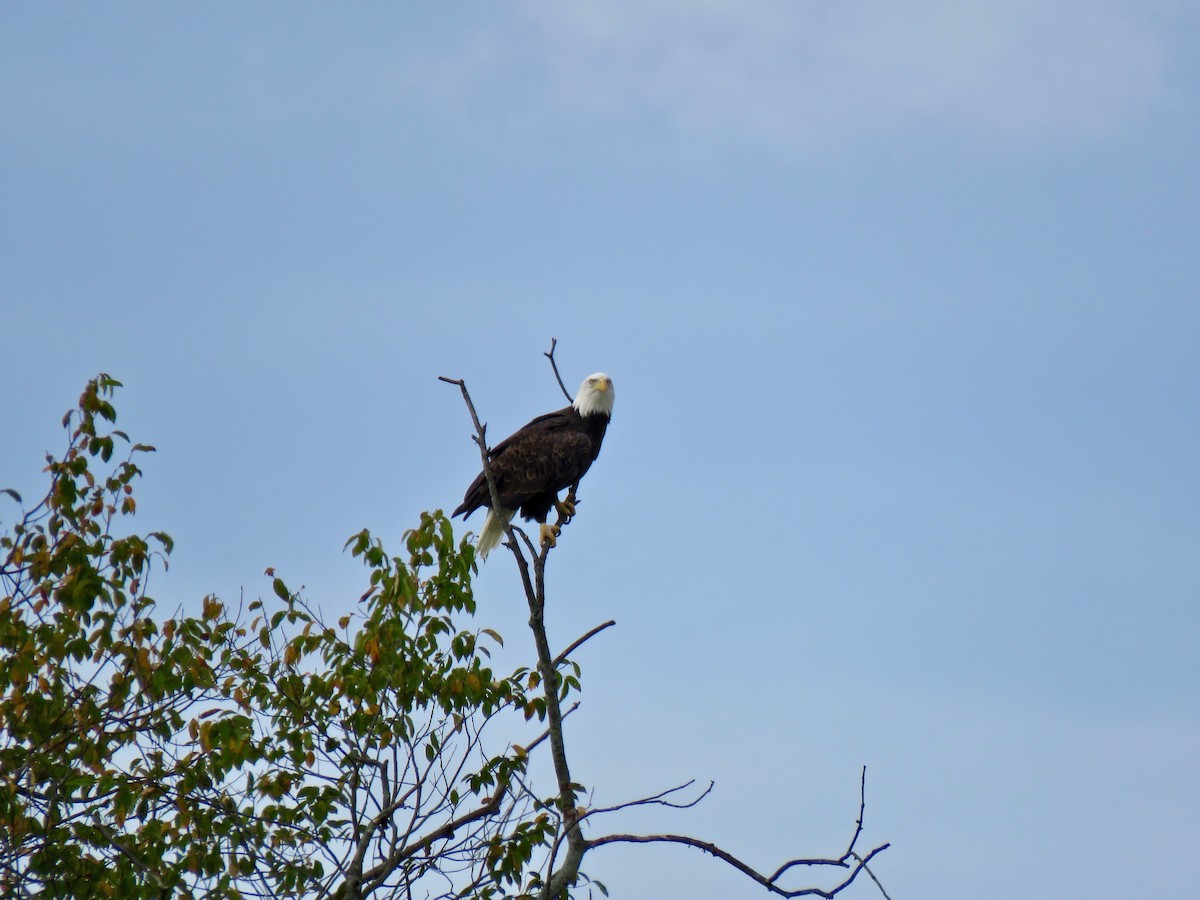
(550, 453)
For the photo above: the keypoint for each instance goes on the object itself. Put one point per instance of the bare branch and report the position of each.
(866, 869)
(562, 657)
(770, 882)
(481, 439)
(858, 827)
(576, 846)
(744, 868)
(535, 594)
(658, 799)
(554, 366)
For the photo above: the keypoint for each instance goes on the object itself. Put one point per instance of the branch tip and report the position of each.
(554, 365)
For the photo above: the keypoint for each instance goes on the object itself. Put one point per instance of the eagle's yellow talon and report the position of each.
(549, 534)
(566, 508)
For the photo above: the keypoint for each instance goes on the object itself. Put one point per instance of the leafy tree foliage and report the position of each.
(241, 752)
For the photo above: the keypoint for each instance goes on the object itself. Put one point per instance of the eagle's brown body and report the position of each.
(549, 454)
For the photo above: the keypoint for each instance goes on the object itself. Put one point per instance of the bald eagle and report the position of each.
(529, 468)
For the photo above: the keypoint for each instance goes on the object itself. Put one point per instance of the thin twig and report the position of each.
(867, 869)
(562, 657)
(480, 438)
(554, 366)
(545, 734)
(658, 799)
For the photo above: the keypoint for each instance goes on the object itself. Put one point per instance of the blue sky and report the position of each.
(902, 311)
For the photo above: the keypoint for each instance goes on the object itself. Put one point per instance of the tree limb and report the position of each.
(480, 438)
(535, 594)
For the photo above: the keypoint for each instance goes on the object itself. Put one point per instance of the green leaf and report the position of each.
(280, 589)
(11, 493)
(163, 538)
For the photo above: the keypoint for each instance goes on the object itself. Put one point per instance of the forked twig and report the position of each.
(480, 438)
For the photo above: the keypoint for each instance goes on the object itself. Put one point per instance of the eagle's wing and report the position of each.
(549, 422)
(547, 454)
(544, 461)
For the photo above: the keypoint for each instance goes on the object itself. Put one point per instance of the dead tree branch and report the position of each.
(858, 827)
(744, 868)
(867, 869)
(659, 799)
(480, 438)
(579, 642)
(771, 882)
(554, 366)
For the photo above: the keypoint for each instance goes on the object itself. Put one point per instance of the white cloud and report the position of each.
(810, 76)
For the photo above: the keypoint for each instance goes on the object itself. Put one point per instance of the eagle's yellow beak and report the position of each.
(602, 384)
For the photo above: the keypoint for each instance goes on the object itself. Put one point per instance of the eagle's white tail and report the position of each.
(493, 531)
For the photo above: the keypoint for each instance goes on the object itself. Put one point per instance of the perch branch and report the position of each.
(535, 594)
(480, 438)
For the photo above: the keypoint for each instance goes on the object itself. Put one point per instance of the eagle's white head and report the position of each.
(595, 395)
